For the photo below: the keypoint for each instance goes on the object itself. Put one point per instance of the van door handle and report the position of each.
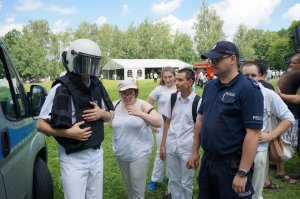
(5, 143)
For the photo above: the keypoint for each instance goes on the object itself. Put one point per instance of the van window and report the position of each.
(18, 87)
(6, 100)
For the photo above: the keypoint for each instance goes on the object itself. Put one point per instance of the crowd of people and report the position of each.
(230, 121)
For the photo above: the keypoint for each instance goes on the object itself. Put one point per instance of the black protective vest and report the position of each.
(61, 114)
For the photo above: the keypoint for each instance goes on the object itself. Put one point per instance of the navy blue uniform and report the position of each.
(227, 111)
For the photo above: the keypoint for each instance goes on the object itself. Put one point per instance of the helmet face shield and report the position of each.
(87, 64)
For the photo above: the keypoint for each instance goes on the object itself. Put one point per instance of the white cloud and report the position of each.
(182, 26)
(64, 11)
(28, 5)
(61, 25)
(248, 12)
(125, 9)
(8, 25)
(165, 7)
(293, 13)
(101, 20)
(1, 5)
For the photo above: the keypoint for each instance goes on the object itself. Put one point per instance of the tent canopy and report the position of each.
(115, 64)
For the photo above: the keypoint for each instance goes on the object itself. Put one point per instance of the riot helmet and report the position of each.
(83, 57)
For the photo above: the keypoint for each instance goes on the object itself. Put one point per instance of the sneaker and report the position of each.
(166, 195)
(151, 186)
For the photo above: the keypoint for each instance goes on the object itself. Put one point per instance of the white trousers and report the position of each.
(261, 162)
(180, 177)
(158, 167)
(83, 181)
(134, 174)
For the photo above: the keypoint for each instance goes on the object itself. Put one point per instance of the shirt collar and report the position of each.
(233, 81)
(190, 97)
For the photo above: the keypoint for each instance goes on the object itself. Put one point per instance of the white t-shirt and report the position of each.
(161, 95)
(133, 138)
(277, 107)
(88, 155)
(181, 131)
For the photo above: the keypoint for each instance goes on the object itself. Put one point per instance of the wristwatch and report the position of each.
(242, 173)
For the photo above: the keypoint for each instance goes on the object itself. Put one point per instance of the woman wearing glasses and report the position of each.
(133, 140)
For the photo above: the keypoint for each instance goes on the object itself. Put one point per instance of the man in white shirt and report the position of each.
(277, 108)
(178, 136)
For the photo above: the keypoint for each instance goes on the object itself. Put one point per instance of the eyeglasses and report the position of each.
(127, 95)
(216, 61)
(251, 75)
(295, 63)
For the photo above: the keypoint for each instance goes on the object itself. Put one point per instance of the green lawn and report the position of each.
(114, 187)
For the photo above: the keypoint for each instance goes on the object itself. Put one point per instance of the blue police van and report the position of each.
(23, 153)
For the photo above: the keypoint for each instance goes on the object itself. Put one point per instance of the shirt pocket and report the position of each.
(228, 104)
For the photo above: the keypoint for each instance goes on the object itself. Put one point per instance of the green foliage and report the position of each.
(208, 27)
(183, 48)
(276, 51)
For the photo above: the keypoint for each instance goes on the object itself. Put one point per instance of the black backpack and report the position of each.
(194, 106)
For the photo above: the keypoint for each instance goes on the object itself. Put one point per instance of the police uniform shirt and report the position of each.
(227, 111)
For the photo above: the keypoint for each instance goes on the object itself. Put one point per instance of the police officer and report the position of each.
(227, 127)
(74, 112)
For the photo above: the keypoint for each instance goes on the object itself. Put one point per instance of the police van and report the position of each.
(23, 153)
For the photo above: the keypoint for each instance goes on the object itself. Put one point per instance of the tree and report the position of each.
(117, 37)
(144, 38)
(104, 42)
(208, 27)
(87, 31)
(276, 52)
(11, 38)
(183, 48)
(130, 46)
(243, 34)
(32, 51)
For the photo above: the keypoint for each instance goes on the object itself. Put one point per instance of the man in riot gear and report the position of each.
(74, 112)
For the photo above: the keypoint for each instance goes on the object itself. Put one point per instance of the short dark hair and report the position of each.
(249, 63)
(189, 73)
(262, 66)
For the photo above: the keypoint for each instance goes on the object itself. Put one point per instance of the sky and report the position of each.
(61, 14)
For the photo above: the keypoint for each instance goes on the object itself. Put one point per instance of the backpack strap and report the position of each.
(117, 104)
(173, 100)
(194, 107)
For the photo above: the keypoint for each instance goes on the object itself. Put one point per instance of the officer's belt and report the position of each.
(213, 157)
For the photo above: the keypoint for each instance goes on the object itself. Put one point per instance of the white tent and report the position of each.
(138, 68)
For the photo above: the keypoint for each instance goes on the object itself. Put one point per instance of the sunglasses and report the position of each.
(216, 61)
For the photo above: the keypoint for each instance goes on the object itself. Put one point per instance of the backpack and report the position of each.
(194, 106)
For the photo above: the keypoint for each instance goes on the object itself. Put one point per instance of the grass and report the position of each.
(114, 187)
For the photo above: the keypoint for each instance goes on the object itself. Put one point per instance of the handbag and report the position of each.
(276, 153)
(288, 151)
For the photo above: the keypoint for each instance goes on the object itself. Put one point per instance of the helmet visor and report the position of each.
(87, 64)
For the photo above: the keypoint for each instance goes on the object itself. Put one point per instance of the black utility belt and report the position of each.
(213, 157)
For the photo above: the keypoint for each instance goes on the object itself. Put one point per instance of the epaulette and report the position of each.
(253, 82)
